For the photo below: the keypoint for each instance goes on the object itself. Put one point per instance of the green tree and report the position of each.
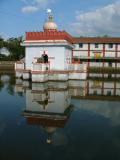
(1, 42)
(16, 50)
(13, 45)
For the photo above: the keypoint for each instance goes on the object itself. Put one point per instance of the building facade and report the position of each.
(97, 51)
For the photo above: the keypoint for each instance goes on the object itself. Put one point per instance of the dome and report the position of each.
(50, 26)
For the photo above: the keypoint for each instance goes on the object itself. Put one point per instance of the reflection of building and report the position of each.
(77, 88)
(111, 76)
(89, 89)
(96, 90)
(103, 90)
(41, 98)
(48, 106)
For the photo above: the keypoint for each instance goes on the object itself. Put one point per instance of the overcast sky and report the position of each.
(78, 17)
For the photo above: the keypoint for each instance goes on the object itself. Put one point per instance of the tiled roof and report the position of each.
(96, 40)
(63, 35)
(49, 35)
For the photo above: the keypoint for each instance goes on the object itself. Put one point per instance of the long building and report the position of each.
(97, 51)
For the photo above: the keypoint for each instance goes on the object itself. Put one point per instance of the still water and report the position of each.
(59, 120)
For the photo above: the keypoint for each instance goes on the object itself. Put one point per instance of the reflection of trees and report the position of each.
(20, 94)
(10, 87)
(1, 84)
(9, 84)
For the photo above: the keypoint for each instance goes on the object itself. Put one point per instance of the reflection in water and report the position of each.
(2, 127)
(89, 89)
(109, 89)
(103, 108)
(79, 119)
(48, 104)
(9, 82)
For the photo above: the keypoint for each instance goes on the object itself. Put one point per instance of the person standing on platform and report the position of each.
(45, 57)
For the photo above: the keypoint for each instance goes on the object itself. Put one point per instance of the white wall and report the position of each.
(110, 49)
(118, 47)
(118, 53)
(67, 57)
(109, 54)
(100, 47)
(80, 53)
(57, 54)
(85, 46)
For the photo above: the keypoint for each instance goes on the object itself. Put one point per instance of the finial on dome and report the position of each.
(50, 25)
(50, 15)
(49, 10)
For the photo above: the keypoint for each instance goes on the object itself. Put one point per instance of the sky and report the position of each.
(78, 17)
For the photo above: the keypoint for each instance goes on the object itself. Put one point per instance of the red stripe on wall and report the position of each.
(88, 54)
(116, 54)
(72, 56)
(103, 53)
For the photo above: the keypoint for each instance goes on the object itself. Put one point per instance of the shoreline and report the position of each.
(7, 65)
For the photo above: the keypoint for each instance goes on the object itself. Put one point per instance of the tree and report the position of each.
(15, 49)
(13, 45)
(1, 42)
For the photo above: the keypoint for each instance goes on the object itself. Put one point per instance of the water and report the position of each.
(59, 120)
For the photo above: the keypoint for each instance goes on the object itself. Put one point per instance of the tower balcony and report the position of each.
(40, 67)
(77, 66)
(19, 65)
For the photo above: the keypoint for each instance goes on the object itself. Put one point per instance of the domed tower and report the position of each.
(50, 25)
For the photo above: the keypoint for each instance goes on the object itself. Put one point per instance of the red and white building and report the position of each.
(100, 52)
(68, 56)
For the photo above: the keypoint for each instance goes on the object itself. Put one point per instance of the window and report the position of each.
(80, 45)
(94, 92)
(110, 45)
(96, 45)
(108, 93)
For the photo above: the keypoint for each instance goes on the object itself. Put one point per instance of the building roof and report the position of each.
(63, 35)
(49, 35)
(96, 40)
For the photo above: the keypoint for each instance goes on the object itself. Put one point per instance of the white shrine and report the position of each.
(58, 47)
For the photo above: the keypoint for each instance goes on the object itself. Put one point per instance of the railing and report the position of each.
(19, 66)
(77, 66)
(40, 67)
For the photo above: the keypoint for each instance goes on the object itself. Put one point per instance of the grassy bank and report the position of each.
(7, 65)
(109, 70)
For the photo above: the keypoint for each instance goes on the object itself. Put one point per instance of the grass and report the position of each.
(110, 70)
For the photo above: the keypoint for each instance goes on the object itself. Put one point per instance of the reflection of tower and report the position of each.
(45, 101)
(41, 98)
(48, 106)
(50, 131)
